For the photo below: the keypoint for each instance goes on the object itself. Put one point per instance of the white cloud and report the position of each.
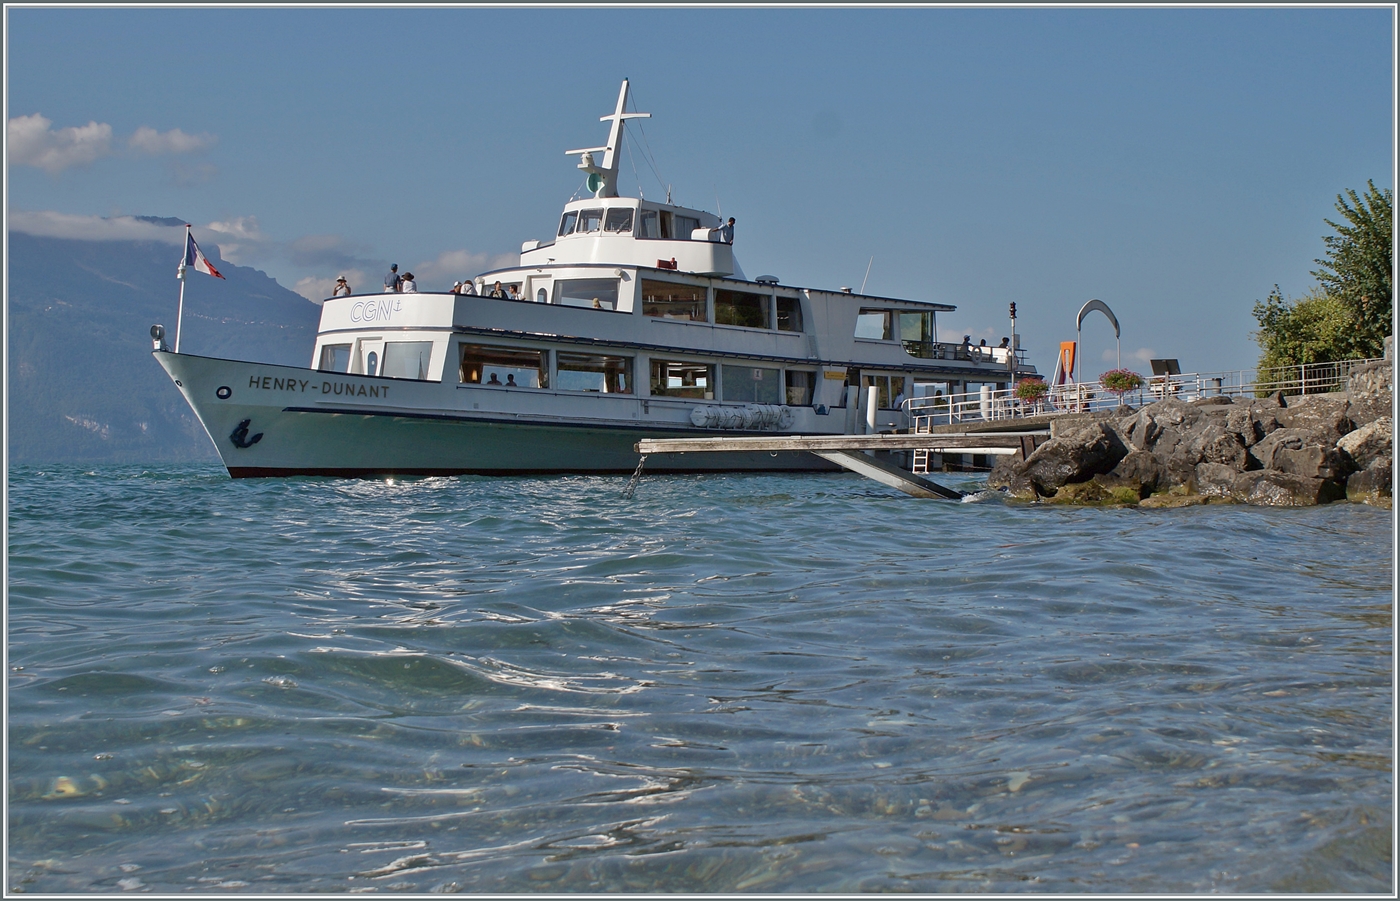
(48, 224)
(1141, 355)
(455, 265)
(317, 290)
(148, 140)
(241, 240)
(32, 142)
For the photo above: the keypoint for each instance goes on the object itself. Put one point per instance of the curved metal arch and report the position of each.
(1085, 310)
(1102, 307)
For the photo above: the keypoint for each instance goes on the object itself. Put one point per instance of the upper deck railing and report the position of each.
(989, 404)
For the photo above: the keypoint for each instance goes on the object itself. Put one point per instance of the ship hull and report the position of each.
(273, 421)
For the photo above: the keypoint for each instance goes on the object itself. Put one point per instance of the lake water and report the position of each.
(743, 683)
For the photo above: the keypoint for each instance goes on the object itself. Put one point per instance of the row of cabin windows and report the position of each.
(619, 220)
(669, 300)
(613, 374)
(401, 360)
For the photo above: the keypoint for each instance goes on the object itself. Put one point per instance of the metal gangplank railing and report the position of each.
(989, 404)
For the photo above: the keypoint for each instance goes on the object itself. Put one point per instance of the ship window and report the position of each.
(566, 225)
(799, 387)
(589, 372)
(916, 333)
(485, 365)
(598, 293)
(751, 384)
(685, 225)
(651, 226)
(406, 359)
(619, 221)
(873, 324)
(789, 314)
(741, 308)
(672, 301)
(542, 296)
(372, 363)
(590, 221)
(889, 389)
(335, 358)
(666, 224)
(674, 379)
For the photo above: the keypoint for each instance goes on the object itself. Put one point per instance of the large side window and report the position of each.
(751, 384)
(335, 358)
(741, 308)
(619, 221)
(503, 366)
(598, 293)
(789, 314)
(685, 225)
(590, 221)
(889, 390)
(566, 225)
(651, 225)
(671, 378)
(591, 372)
(406, 359)
(673, 301)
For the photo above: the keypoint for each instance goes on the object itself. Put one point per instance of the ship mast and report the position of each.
(602, 180)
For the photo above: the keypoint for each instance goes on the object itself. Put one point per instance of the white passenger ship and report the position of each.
(634, 322)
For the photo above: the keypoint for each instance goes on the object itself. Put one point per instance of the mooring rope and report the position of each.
(636, 477)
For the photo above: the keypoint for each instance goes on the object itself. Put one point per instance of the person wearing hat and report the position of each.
(408, 285)
(392, 283)
(342, 287)
(456, 288)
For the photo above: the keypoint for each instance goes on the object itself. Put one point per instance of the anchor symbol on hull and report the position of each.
(240, 438)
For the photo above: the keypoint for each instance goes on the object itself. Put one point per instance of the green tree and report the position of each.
(1315, 328)
(1356, 268)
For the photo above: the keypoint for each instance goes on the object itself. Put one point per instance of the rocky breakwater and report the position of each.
(1275, 451)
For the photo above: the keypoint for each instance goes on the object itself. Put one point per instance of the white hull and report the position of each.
(320, 423)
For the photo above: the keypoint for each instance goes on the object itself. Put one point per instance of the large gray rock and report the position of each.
(1325, 415)
(1372, 485)
(1075, 456)
(1139, 470)
(1213, 480)
(1269, 488)
(1370, 441)
(1302, 451)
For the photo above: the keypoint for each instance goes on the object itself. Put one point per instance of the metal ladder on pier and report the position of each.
(923, 425)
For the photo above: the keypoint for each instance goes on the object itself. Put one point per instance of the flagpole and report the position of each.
(180, 274)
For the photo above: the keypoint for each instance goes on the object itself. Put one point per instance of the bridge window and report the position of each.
(673, 301)
(741, 308)
(874, 324)
(588, 372)
(590, 221)
(619, 221)
(598, 293)
(486, 365)
(685, 225)
(335, 358)
(566, 225)
(675, 379)
(651, 225)
(789, 314)
(406, 359)
(751, 384)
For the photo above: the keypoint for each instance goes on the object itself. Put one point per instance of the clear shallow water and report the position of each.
(727, 684)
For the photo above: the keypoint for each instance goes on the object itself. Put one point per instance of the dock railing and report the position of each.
(989, 404)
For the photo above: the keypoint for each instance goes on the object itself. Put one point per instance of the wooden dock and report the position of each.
(855, 452)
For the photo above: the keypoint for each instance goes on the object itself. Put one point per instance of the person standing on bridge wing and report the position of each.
(392, 283)
(726, 232)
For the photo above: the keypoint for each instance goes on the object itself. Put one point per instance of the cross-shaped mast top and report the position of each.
(605, 185)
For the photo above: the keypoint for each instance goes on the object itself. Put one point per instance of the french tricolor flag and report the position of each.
(194, 257)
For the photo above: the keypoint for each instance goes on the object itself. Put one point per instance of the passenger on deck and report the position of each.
(456, 288)
(342, 288)
(408, 286)
(1005, 343)
(512, 294)
(726, 232)
(597, 304)
(510, 381)
(494, 380)
(497, 291)
(468, 287)
(392, 281)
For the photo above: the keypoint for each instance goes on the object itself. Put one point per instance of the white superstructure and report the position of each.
(634, 321)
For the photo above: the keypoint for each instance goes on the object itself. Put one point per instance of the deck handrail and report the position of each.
(1079, 397)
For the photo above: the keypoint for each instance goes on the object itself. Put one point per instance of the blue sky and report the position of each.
(1175, 163)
